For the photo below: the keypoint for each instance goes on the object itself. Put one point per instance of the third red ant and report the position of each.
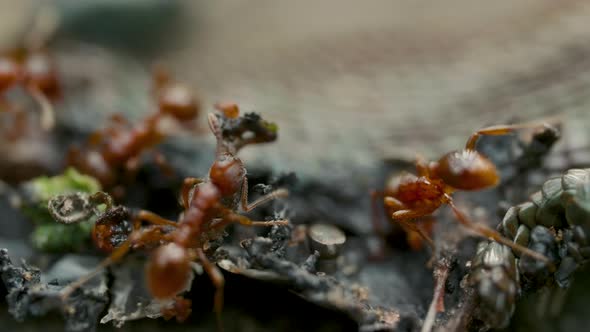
(36, 73)
(116, 150)
(408, 197)
(210, 204)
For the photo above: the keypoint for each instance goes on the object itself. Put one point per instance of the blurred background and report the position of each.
(387, 78)
(349, 83)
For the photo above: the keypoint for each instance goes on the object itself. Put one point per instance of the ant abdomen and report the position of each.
(168, 271)
(466, 170)
(178, 101)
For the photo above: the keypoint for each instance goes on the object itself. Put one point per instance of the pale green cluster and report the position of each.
(44, 187)
(48, 234)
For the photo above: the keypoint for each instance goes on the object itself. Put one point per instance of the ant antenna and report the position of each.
(47, 112)
(216, 130)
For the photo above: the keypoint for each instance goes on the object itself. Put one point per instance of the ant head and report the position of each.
(466, 170)
(168, 271)
(9, 73)
(178, 101)
(227, 173)
(174, 99)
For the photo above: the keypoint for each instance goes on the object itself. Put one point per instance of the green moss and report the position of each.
(57, 237)
(48, 234)
(70, 181)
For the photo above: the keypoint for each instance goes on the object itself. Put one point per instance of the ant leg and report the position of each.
(218, 281)
(425, 225)
(137, 236)
(246, 207)
(410, 226)
(494, 235)
(151, 218)
(376, 219)
(406, 219)
(181, 309)
(115, 255)
(232, 217)
(187, 186)
(502, 130)
(47, 112)
(19, 125)
(379, 250)
(163, 164)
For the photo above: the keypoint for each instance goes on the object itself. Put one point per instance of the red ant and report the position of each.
(408, 197)
(116, 150)
(36, 72)
(209, 206)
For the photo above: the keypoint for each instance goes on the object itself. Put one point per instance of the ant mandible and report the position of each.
(209, 206)
(116, 149)
(408, 197)
(36, 73)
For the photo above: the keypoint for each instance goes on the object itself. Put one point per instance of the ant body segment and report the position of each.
(209, 204)
(174, 98)
(408, 197)
(115, 150)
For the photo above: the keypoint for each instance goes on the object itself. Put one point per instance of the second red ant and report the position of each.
(210, 204)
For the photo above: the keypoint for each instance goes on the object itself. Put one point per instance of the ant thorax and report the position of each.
(203, 196)
(421, 190)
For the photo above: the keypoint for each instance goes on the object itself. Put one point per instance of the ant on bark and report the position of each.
(408, 197)
(210, 204)
(36, 73)
(114, 152)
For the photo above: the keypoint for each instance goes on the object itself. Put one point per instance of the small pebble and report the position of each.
(326, 239)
